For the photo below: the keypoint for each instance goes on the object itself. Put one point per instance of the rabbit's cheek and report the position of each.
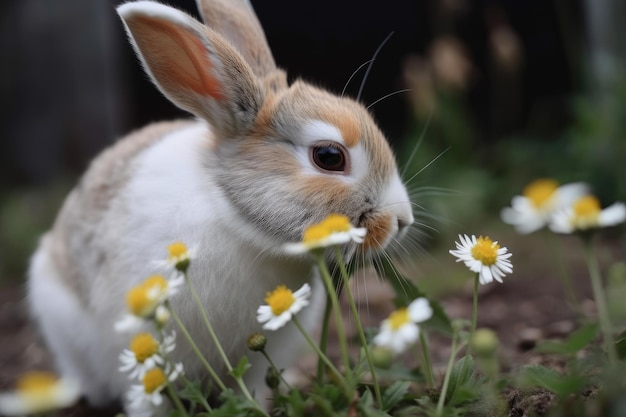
(379, 227)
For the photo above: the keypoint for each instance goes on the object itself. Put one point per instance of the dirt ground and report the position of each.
(529, 307)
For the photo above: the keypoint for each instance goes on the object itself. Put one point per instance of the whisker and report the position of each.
(369, 67)
(389, 95)
(427, 165)
(352, 76)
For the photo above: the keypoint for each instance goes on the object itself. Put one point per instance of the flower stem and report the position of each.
(600, 299)
(200, 398)
(341, 332)
(428, 367)
(218, 345)
(317, 350)
(359, 326)
(474, 310)
(324, 339)
(446, 381)
(280, 374)
(176, 400)
(193, 345)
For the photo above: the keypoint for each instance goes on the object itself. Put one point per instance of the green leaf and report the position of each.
(463, 381)
(394, 393)
(241, 368)
(192, 392)
(576, 341)
(562, 385)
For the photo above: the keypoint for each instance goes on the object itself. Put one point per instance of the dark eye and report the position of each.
(329, 157)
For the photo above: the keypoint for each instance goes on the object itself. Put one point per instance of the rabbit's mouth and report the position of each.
(379, 229)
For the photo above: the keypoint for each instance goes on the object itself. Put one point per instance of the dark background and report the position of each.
(71, 84)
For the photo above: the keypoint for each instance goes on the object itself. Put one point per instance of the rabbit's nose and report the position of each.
(404, 223)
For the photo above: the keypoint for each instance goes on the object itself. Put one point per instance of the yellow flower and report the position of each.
(145, 301)
(539, 201)
(282, 304)
(179, 256)
(145, 353)
(333, 230)
(587, 213)
(39, 392)
(401, 328)
(484, 257)
(153, 382)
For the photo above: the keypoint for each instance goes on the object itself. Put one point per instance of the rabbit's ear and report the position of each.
(236, 21)
(193, 66)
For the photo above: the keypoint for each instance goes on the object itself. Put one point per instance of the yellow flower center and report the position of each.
(588, 206)
(399, 318)
(337, 223)
(315, 233)
(36, 382)
(144, 298)
(144, 346)
(153, 380)
(485, 251)
(177, 251)
(540, 191)
(280, 300)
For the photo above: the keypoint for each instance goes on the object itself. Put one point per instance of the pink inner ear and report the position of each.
(176, 55)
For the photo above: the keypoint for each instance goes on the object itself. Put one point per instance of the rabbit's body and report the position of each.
(236, 185)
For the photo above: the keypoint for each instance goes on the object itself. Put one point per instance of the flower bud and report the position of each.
(382, 357)
(256, 342)
(484, 343)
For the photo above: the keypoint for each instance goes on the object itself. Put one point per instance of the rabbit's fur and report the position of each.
(235, 185)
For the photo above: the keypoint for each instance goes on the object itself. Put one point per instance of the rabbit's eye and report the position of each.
(329, 157)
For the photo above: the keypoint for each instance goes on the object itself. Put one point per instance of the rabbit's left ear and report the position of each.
(236, 21)
(193, 66)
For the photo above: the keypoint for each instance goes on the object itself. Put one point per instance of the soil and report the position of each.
(529, 307)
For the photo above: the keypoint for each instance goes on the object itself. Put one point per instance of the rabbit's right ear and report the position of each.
(193, 66)
(236, 21)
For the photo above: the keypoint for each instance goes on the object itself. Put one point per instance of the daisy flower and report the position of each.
(282, 304)
(179, 256)
(401, 328)
(539, 200)
(483, 256)
(39, 392)
(586, 213)
(152, 385)
(145, 353)
(333, 230)
(146, 299)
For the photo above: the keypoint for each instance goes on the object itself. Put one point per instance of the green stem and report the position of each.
(176, 400)
(317, 350)
(218, 345)
(280, 374)
(341, 332)
(197, 351)
(446, 381)
(600, 299)
(428, 368)
(324, 339)
(474, 310)
(359, 325)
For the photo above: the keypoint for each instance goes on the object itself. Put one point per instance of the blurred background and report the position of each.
(501, 92)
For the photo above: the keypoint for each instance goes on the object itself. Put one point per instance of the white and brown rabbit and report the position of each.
(261, 161)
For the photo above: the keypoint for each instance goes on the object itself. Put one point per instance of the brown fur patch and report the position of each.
(346, 122)
(378, 229)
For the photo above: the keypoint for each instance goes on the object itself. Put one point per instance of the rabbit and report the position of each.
(260, 161)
